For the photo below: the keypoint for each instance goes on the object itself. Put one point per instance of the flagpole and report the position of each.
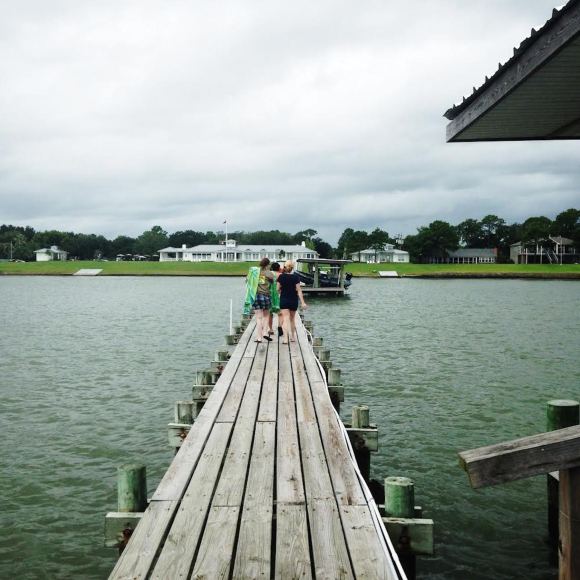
(226, 222)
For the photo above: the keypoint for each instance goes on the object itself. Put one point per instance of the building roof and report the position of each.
(208, 248)
(323, 261)
(534, 95)
(389, 249)
(53, 250)
(473, 253)
(556, 239)
(562, 241)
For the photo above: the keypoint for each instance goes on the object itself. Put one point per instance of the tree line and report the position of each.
(432, 241)
(20, 242)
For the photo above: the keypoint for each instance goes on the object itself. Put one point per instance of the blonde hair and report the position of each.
(288, 266)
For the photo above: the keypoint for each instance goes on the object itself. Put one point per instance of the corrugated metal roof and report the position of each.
(534, 95)
(455, 109)
(472, 253)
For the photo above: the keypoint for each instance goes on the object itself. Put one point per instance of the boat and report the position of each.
(324, 276)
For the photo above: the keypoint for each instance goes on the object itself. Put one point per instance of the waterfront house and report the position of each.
(49, 254)
(231, 251)
(554, 250)
(472, 256)
(387, 255)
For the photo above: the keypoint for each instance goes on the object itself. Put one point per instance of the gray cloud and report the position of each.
(118, 116)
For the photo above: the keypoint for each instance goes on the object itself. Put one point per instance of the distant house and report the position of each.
(554, 250)
(473, 256)
(49, 254)
(388, 255)
(232, 252)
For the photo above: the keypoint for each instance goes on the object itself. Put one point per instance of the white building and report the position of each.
(389, 255)
(232, 252)
(49, 254)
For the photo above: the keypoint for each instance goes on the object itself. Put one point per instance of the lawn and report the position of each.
(240, 269)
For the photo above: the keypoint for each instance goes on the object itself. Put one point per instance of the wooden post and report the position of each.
(222, 355)
(324, 355)
(569, 544)
(360, 417)
(560, 413)
(317, 341)
(399, 497)
(131, 488)
(360, 420)
(334, 377)
(184, 412)
(400, 503)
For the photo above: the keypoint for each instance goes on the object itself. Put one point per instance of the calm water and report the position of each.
(90, 368)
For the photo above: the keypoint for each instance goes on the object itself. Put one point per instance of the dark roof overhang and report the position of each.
(535, 95)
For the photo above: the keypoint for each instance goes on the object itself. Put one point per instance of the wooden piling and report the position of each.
(184, 412)
(334, 377)
(400, 503)
(360, 417)
(131, 488)
(560, 413)
(399, 497)
(362, 453)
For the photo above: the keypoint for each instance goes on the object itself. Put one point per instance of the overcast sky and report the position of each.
(119, 115)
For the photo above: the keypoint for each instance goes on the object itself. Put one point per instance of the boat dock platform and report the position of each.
(265, 484)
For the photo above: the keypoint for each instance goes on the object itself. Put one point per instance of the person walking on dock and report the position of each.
(262, 302)
(275, 299)
(290, 294)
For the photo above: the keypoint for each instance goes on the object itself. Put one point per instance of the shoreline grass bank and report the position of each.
(532, 271)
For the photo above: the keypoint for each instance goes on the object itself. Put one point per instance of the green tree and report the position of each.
(122, 245)
(323, 248)
(567, 225)
(536, 229)
(470, 233)
(344, 243)
(492, 227)
(188, 237)
(433, 241)
(377, 240)
(151, 241)
(304, 235)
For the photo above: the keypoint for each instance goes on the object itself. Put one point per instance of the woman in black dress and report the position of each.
(290, 293)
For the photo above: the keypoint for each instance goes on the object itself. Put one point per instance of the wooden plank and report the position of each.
(230, 487)
(173, 484)
(329, 549)
(289, 484)
(215, 551)
(543, 453)
(138, 556)
(178, 551)
(417, 534)
(368, 558)
(231, 483)
(231, 404)
(254, 548)
(267, 410)
(304, 405)
(347, 487)
(292, 549)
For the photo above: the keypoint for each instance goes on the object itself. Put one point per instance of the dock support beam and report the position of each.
(560, 413)
(362, 453)
(131, 503)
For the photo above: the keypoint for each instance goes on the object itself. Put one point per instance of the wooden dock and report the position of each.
(264, 485)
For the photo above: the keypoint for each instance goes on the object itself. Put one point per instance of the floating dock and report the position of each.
(265, 484)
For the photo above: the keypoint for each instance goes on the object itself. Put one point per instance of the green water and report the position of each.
(90, 368)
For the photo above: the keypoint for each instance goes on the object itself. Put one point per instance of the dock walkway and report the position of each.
(264, 485)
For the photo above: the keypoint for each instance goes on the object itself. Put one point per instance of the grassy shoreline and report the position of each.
(532, 271)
